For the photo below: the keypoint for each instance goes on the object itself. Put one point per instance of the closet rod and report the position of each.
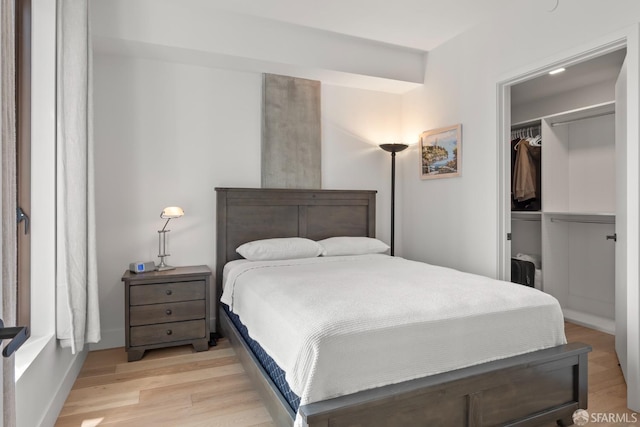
(566, 122)
(582, 221)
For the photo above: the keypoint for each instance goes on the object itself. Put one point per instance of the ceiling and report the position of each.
(420, 25)
(600, 69)
(416, 24)
(423, 25)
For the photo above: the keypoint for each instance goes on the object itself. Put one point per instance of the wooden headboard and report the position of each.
(246, 214)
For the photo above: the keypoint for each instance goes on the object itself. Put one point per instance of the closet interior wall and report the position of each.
(576, 213)
(579, 214)
(526, 159)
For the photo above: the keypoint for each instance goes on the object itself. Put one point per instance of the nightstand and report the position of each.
(166, 308)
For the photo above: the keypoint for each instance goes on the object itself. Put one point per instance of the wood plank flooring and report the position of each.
(168, 387)
(607, 388)
(178, 387)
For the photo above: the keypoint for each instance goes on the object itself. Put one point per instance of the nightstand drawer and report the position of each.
(167, 332)
(170, 312)
(166, 292)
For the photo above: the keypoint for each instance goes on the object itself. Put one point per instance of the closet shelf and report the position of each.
(593, 111)
(587, 112)
(580, 214)
(583, 217)
(592, 217)
(526, 215)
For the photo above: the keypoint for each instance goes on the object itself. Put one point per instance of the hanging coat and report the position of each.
(524, 174)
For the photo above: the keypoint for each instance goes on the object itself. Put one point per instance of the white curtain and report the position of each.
(8, 173)
(78, 316)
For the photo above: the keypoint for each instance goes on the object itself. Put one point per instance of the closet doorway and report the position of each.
(567, 207)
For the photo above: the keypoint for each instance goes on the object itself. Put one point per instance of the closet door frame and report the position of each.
(629, 38)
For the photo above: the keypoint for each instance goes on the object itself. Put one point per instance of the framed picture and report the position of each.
(441, 152)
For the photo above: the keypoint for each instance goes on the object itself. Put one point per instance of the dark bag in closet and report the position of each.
(523, 272)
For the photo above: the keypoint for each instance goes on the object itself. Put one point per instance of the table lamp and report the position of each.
(168, 214)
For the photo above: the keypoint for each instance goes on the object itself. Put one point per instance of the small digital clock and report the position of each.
(142, 267)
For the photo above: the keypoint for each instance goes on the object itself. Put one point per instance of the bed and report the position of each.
(531, 388)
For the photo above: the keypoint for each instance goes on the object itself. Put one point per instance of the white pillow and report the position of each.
(279, 249)
(334, 246)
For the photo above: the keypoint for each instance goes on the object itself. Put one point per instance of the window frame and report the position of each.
(23, 10)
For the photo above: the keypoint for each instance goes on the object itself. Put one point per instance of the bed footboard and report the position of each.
(526, 390)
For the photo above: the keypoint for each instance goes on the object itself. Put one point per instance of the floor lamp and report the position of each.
(393, 149)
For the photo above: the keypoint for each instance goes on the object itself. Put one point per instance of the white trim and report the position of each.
(633, 218)
(29, 352)
(598, 323)
(504, 193)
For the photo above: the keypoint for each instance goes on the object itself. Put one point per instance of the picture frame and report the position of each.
(441, 152)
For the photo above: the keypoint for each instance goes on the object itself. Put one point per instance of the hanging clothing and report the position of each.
(525, 182)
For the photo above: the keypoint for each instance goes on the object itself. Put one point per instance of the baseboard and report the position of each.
(598, 323)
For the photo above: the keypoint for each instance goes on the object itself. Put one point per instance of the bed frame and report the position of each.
(528, 390)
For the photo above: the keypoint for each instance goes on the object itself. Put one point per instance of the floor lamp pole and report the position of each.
(393, 199)
(393, 149)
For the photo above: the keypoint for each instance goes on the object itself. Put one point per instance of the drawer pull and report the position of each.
(169, 291)
(168, 312)
(169, 331)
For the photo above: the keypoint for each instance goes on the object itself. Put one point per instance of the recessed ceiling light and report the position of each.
(556, 71)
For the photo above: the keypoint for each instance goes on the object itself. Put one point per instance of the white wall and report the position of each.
(354, 123)
(454, 221)
(168, 134)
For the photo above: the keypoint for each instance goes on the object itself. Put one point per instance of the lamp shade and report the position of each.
(172, 212)
(393, 148)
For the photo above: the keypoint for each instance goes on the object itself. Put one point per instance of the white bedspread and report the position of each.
(338, 325)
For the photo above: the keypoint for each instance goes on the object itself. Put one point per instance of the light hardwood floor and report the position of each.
(607, 389)
(178, 387)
